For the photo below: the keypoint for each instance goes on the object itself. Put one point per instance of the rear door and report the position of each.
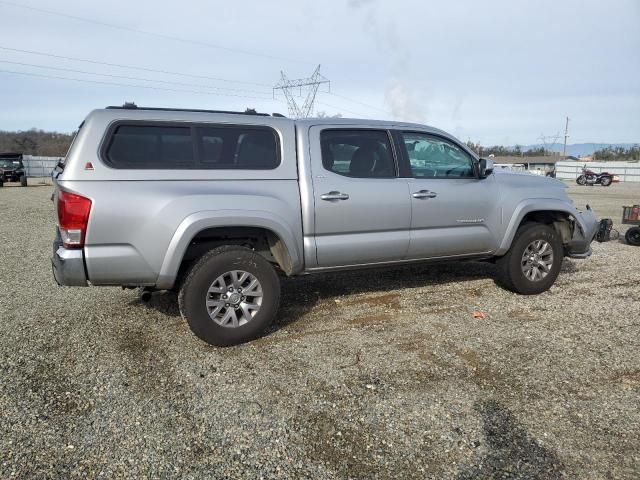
(453, 211)
(362, 208)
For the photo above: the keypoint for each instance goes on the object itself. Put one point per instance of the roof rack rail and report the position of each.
(133, 106)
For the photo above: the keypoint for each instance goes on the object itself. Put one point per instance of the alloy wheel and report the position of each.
(537, 260)
(234, 298)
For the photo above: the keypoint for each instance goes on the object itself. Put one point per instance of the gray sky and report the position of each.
(497, 71)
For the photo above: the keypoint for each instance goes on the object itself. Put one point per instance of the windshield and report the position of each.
(4, 163)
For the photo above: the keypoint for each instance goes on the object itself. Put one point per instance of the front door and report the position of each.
(453, 211)
(362, 208)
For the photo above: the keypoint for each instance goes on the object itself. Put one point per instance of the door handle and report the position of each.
(333, 195)
(424, 194)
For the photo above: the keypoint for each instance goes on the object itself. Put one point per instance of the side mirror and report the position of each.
(485, 166)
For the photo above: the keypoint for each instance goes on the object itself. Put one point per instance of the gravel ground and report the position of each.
(374, 374)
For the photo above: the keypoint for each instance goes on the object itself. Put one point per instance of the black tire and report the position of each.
(23, 181)
(606, 181)
(1, 183)
(581, 180)
(195, 287)
(633, 236)
(510, 269)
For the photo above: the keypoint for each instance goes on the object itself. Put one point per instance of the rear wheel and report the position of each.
(229, 296)
(606, 181)
(533, 263)
(633, 236)
(581, 180)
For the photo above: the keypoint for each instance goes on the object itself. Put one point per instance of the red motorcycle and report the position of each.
(589, 177)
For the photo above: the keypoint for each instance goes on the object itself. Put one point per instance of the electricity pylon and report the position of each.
(310, 84)
(549, 140)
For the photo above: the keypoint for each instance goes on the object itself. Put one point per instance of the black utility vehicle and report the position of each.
(12, 169)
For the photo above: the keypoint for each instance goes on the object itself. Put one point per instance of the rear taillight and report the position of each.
(73, 215)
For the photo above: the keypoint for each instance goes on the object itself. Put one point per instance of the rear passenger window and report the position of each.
(193, 147)
(357, 153)
(140, 146)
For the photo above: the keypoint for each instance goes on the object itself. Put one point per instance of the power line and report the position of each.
(164, 36)
(169, 72)
(337, 109)
(340, 109)
(150, 87)
(131, 67)
(148, 33)
(129, 78)
(359, 102)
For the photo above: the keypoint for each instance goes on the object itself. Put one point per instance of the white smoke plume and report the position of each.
(403, 103)
(405, 97)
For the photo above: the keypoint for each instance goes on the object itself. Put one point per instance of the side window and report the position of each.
(141, 146)
(434, 157)
(357, 153)
(238, 148)
(171, 147)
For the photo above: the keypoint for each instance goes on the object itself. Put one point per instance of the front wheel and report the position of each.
(23, 181)
(230, 296)
(533, 262)
(633, 236)
(581, 180)
(606, 181)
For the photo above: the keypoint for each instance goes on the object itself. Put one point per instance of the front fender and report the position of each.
(195, 223)
(584, 222)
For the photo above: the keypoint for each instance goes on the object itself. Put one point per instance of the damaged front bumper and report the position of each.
(586, 228)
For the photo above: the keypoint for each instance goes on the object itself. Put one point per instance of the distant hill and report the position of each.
(577, 149)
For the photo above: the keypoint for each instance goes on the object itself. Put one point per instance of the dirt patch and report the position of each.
(341, 447)
(390, 301)
(481, 371)
(52, 391)
(630, 379)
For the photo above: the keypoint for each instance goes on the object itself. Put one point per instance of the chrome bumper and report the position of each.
(68, 266)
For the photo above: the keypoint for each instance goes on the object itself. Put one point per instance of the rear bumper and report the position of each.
(68, 266)
(586, 228)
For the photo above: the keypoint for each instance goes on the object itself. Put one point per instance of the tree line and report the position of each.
(617, 153)
(502, 151)
(35, 142)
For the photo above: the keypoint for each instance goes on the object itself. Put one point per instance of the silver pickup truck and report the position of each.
(216, 205)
